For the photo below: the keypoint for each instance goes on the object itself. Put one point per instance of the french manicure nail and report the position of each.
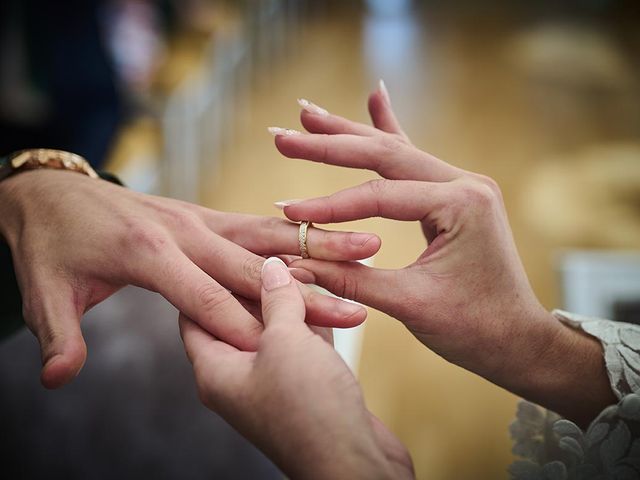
(285, 203)
(359, 239)
(385, 92)
(312, 107)
(275, 274)
(287, 132)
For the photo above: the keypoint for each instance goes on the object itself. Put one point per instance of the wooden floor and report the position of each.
(546, 107)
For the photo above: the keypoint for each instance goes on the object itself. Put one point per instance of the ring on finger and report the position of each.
(302, 238)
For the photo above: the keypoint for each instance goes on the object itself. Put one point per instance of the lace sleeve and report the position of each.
(621, 344)
(555, 448)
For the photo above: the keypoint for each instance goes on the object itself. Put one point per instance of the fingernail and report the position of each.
(287, 132)
(285, 203)
(312, 107)
(348, 309)
(385, 92)
(359, 239)
(275, 274)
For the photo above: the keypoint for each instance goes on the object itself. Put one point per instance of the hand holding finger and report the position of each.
(238, 270)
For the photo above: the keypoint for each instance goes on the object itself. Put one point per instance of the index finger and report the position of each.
(387, 154)
(394, 199)
(201, 298)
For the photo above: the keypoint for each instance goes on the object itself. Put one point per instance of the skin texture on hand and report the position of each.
(466, 296)
(76, 240)
(294, 398)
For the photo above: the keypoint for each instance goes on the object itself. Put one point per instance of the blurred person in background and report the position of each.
(466, 297)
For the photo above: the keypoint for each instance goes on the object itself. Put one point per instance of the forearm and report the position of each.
(559, 368)
(300, 453)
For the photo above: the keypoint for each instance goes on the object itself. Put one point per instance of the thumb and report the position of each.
(358, 282)
(282, 302)
(55, 321)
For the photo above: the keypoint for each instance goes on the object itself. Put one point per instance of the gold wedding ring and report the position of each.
(302, 238)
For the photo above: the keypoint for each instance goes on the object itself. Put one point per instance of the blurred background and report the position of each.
(175, 97)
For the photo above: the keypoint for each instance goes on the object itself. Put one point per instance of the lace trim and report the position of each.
(553, 448)
(621, 344)
(557, 449)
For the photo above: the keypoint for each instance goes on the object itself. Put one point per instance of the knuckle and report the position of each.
(212, 297)
(489, 182)
(391, 143)
(145, 237)
(346, 287)
(477, 195)
(377, 186)
(377, 189)
(252, 268)
(325, 152)
(185, 219)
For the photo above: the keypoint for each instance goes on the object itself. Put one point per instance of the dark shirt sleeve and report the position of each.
(10, 299)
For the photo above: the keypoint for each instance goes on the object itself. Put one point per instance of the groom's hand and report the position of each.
(76, 240)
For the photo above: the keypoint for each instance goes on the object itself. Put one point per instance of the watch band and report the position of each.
(34, 159)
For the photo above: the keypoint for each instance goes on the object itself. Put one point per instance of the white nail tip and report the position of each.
(287, 132)
(274, 260)
(385, 92)
(312, 107)
(285, 203)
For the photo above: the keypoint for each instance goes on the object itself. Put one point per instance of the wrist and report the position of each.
(354, 455)
(344, 464)
(559, 368)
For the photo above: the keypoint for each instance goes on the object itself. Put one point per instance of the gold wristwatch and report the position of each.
(37, 158)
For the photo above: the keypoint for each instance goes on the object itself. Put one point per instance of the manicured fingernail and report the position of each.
(312, 107)
(348, 309)
(275, 274)
(285, 203)
(385, 92)
(287, 132)
(359, 239)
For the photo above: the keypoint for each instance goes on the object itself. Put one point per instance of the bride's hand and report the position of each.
(466, 296)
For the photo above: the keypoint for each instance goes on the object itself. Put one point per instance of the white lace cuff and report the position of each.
(552, 448)
(555, 448)
(621, 344)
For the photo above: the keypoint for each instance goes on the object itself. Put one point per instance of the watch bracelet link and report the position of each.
(33, 159)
